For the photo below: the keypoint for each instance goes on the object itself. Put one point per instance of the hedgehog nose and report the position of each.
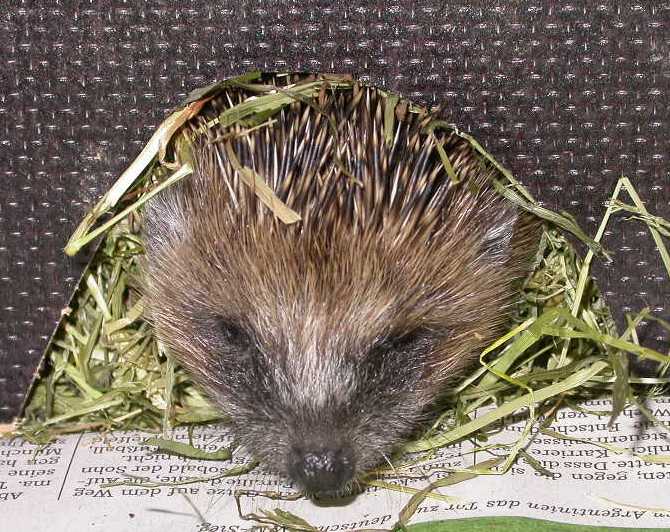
(322, 469)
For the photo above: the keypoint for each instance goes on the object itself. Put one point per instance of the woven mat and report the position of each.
(567, 94)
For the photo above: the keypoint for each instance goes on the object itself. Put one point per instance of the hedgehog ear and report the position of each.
(497, 241)
(164, 223)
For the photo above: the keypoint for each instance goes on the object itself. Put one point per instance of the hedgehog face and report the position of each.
(322, 370)
(319, 410)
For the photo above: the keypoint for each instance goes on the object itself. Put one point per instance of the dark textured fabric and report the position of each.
(568, 94)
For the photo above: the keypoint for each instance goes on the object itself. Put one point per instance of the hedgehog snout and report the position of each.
(321, 468)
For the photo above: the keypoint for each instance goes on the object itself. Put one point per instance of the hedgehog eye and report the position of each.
(234, 335)
(399, 343)
(397, 359)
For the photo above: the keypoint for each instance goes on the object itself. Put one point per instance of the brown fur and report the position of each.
(347, 325)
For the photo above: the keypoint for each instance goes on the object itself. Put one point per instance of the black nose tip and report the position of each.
(322, 469)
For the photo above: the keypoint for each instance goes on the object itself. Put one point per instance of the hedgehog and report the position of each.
(328, 341)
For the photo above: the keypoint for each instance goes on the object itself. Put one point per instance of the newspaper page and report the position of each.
(73, 484)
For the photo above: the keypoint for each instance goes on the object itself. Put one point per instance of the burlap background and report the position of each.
(568, 94)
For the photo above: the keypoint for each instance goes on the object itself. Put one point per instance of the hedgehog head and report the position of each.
(328, 340)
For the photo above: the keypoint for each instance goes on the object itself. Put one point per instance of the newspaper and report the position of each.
(73, 484)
